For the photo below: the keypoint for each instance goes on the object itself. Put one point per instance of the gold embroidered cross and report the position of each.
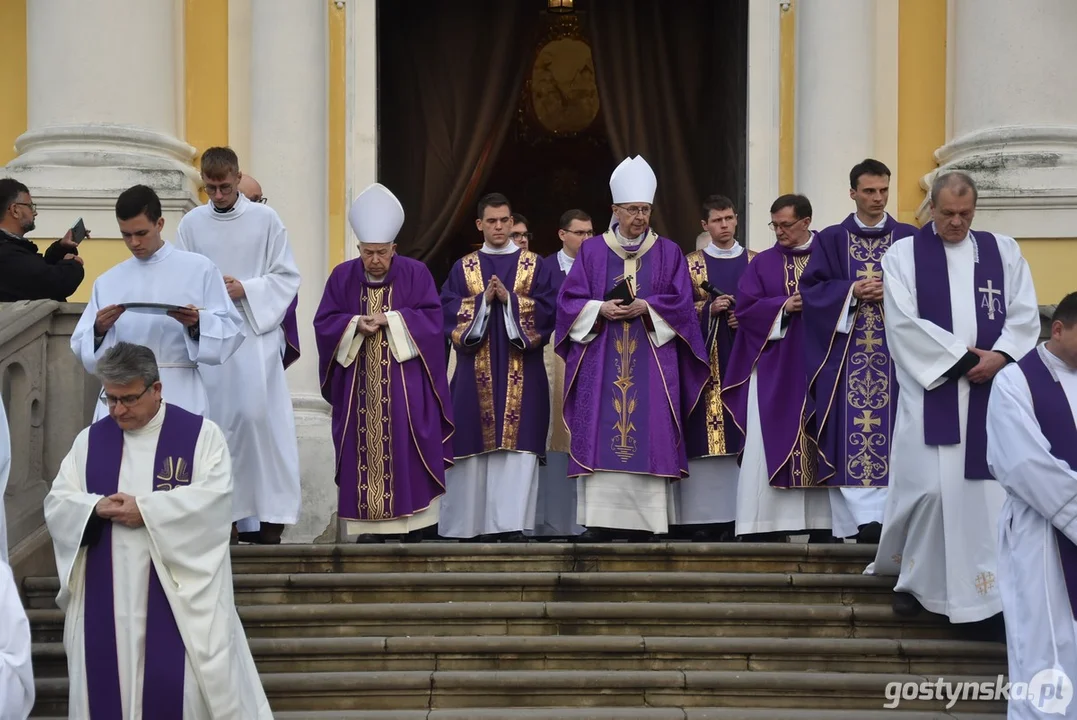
(868, 272)
(867, 422)
(985, 582)
(869, 342)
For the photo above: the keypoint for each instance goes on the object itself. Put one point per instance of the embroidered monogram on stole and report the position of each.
(173, 470)
(868, 373)
(375, 418)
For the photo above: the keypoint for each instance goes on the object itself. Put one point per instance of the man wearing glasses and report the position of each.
(521, 234)
(24, 273)
(634, 365)
(778, 491)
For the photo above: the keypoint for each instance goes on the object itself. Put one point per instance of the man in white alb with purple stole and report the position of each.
(1032, 451)
(249, 396)
(959, 305)
(140, 518)
(634, 365)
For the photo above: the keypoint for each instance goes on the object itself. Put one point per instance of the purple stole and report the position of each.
(942, 422)
(162, 686)
(1056, 421)
(290, 325)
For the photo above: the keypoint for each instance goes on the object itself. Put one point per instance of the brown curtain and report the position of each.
(672, 80)
(450, 74)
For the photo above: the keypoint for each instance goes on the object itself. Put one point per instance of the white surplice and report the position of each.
(940, 532)
(5, 469)
(621, 500)
(172, 277)
(186, 539)
(495, 492)
(16, 673)
(761, 507)
(1041, 495)
(709, 493)
(248, 395)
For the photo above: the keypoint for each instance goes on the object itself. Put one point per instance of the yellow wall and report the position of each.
(205, 73)
(787, 103)
(1052, 262)
(98, 255)
(921, 103)
(13, 79)
(338, 200)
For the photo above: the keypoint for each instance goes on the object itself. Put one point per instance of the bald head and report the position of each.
(250, 188)
(957, 182)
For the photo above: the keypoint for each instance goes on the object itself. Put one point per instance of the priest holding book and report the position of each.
(635, 365)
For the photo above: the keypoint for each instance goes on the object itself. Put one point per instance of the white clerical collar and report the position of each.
(240, 206)
(154, 425)
(806, 245)
(625, 242)
(161, 255)
(722, 253)
(507, 249)
(968, 236)
(877, 226)
(564, 261)
(1054, 363)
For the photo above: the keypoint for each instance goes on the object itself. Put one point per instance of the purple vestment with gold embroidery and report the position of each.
(500, 392)
(627, 400)
(852, 387)
(771, 279)
(392, 421)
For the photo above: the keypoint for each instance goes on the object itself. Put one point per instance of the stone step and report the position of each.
(778, 620)
(619, 713)
(406, 690)
(845, 558)
(433, 587)
(463, 653)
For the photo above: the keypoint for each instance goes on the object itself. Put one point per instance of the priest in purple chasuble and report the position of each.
(556, 511)
(140, 516)
(498, 305)
(959, 305)
(704, 504)
(634, 364)
(778, 488)
(382, 368)
(1032, 451)
(851, 383)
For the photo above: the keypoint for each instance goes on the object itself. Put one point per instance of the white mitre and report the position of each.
(633, 181)
(376, 216)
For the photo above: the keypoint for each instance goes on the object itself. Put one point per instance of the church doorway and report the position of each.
(540, 99)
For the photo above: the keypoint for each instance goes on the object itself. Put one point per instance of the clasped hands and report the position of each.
(988, 366)
(496, 290)
(614, 310)
(370, 324)
(868, 290)
(120, 508)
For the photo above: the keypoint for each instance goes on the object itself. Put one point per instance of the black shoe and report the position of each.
(413, 537)
(993, 629)
(821, 537)
(370, 539)
(513, 537)
(766, 537)
(870, 533)
(254, 537)
(906, 605)
(594, 535)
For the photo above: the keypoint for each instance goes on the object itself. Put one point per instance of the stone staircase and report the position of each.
(673, 631)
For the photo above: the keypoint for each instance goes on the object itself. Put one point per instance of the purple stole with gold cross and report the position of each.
(162, 687)
(942, 421)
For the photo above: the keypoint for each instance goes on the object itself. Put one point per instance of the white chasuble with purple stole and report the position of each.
(165, 656)
(500, 390)
(942, 420)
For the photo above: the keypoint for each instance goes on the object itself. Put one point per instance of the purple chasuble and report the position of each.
(942, 422)
(557, 275)
(711, 431)
(852, 388)
(500, 392)
(392, 425)
(290, 325)
(1056, 422)
(162, 688)
(626, 401)
(770, 279)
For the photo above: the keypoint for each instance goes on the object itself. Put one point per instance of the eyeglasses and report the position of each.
(581, 233)
(634, 210)
(32, 206)
(222, 189)
(521, 236)
(127, 400)
(260, 200)
(785, 226)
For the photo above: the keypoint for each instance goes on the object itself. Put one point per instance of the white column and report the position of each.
(1014, 113)
(103, 110)
(362, 106)
(835, 90)
(764, 118)
(289, 148)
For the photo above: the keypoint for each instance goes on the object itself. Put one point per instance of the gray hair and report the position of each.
(956, 182)
(126, 362)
